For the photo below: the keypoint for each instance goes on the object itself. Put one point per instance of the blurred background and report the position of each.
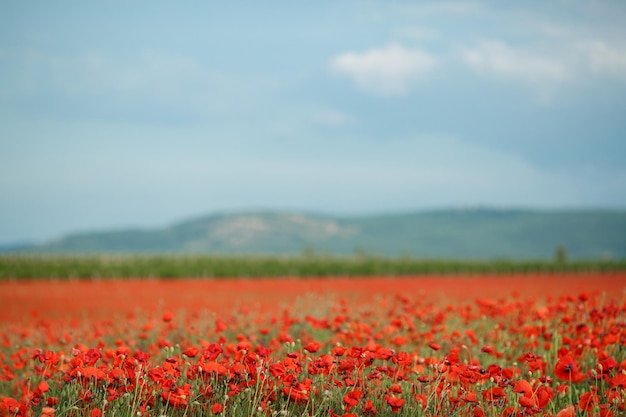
(146, 114)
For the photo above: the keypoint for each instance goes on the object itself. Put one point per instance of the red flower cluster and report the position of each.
(510, 357)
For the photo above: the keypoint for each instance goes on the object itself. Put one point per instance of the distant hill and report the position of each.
(462, 233)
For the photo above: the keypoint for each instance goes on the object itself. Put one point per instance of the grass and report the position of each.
(25, 267)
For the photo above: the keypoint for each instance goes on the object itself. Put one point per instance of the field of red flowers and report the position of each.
(550, 345)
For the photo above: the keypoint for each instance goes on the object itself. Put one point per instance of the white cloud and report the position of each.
(498, 58)
(604, 59)
(549, 64)
(392, 70)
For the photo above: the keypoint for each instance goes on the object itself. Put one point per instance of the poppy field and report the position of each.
(462, 345)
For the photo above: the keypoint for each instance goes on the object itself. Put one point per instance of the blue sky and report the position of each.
(144, 113)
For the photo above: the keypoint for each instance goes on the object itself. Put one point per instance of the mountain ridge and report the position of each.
(469, 233)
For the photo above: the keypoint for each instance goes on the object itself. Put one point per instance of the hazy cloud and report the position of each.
(440, 8)
(499, 59)
(331, 117)
(392, 70)
(604, 59)
(416, 33)
(547, 66)
(177, 83)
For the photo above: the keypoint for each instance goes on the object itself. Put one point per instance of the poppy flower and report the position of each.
(490, 350)
(523, 387)
(470, 397)
(394, 402)
(422, 399)
(618, 381)
(177, 396)
(544, 395)
(395, 388)
(494, 394)
(352, 398)
(568, 411)
(42, 388)
(91, 372)
(527, 402)
(587, 400)
(191, 352)
(313, 347)
(213, 367)
(297, 391)
(338, 351)
(566, 369)
(47, 412)
(369, 408)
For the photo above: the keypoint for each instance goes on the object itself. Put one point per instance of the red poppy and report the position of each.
(177, 396)
(494, 394)
(313, 347)
(338, 351)
(213, 367)
(523, 387)
(566, 369)
(618, 381)
(527, 402)
(191, 352)
(47, 412)
(297, 391)
(351, 399)
(490, 350)
(587, 401)
(395, 388)
(369, 408)
(422, 399)
(568, 411)
(544, 395)
(42, 388)
(394, 402)
(470, 397)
